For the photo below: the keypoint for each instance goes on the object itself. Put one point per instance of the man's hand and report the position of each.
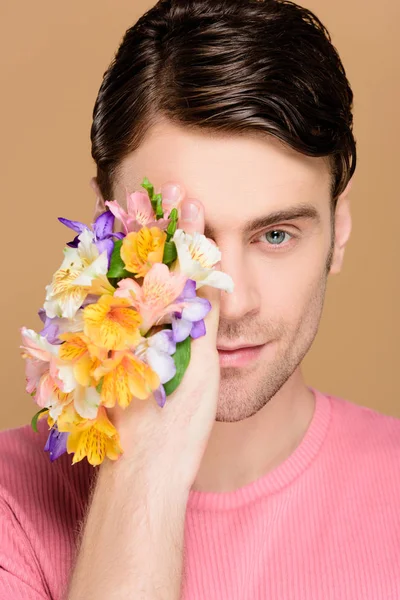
(132, 542)
(177, 434)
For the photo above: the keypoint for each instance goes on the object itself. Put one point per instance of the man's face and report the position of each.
(279, 270)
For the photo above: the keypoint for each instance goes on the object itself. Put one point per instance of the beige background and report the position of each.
(53, 57)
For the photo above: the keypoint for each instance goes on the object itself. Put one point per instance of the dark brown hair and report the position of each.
(227, 66)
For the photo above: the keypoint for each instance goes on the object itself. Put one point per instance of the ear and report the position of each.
(100, 207)
(343, 225)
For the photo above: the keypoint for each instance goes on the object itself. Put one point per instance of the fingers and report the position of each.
(190, 210)
(172, 195)
(191, 216)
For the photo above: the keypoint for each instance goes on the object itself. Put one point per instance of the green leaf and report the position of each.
(182, 360)
(100, 385)
(158, 209)
(173, 224)
(35, 419)
(148, 187)
(117, 266)
(170, 253)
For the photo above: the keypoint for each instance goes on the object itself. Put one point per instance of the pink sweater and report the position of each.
(324, 525)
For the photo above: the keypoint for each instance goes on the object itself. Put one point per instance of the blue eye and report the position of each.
(277, 236)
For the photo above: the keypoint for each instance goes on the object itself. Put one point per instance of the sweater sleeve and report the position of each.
(20, 573)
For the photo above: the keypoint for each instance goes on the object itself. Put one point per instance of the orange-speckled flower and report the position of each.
(141, 250)
(84, 356)
(112, 323)
(95, 439)
(125, 376)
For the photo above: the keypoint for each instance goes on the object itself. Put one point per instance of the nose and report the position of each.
(245, 298)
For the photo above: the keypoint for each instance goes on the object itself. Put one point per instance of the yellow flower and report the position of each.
(94, 438)
(141, 250)
(84, 356)
(112, 323)
(125, 376)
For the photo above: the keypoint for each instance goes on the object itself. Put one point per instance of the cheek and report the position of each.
(289, 284)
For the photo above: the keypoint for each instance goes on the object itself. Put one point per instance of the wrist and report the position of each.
(145, 475)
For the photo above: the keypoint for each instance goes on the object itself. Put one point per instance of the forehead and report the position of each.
(236, 177)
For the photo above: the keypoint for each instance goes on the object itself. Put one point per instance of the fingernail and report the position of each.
(189, 211)
(170, 193)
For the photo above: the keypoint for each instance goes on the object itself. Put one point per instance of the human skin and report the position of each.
(220, 432)
(131, 541)
(264, 408)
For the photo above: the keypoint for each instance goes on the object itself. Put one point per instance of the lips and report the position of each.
(238, 356)
(222, 348)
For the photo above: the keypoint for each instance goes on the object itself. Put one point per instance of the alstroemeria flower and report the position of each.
(125, 376)
(139, 213)
(102, 230)
(190, 320)
(197, 257)
(78, 352)
(95, 439)
(80, 358)
(56, 444)
(156, 297)
(112, 323)
(82, 272)
(41, 370)
(157, 351)
(53, 327)
(141, 250)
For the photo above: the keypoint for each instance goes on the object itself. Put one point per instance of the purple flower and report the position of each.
(157, 351)
(160, 396)
(56, 443)
(102, 229)
(53, 326)
(190, 320)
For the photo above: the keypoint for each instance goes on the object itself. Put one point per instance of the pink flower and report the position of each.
(139, 212)
(155, 298)
(41, 370)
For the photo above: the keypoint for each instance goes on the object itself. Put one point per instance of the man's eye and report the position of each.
(276, 237)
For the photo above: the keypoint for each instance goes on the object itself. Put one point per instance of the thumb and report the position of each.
(211, 320)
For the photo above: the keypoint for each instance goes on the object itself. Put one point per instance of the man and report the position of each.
(248, 484)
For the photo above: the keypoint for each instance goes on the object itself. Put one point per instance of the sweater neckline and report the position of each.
(279, 477)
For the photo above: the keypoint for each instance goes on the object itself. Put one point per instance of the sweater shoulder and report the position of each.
(365, 432)
(28, 478)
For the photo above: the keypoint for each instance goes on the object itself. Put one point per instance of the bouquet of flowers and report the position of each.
(119, 316)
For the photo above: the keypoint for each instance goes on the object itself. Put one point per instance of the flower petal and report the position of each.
(160, 396)
(219, 280)
(181, 329)
(74, 243)
(86, 401)
(189, 291)
(119, 213)
(139, 207)
(103, 225)
(56, 443)
(163, 364)
(197, 309)
(163, 341)
(198, 330)
(106, 245)
(75, 225)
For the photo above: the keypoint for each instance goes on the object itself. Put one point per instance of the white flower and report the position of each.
(197, 257)
(86, 399)
(74, 280)
(156, 351)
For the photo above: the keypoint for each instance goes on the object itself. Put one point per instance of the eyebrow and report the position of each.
(300, 211)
